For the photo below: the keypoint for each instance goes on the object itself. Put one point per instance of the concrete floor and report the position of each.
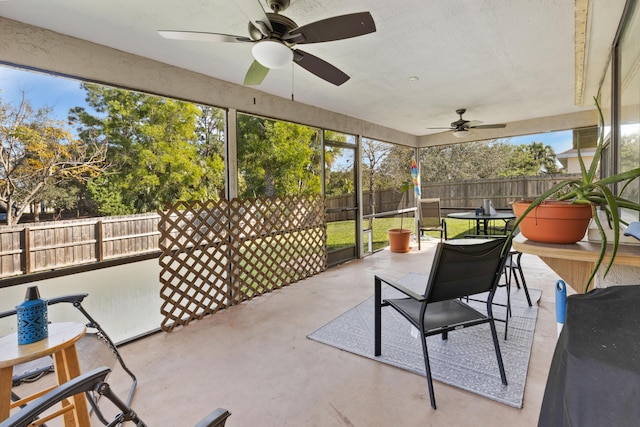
(254, 359)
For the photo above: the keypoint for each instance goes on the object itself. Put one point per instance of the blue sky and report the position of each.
(559, 141)
(41, 90)
(62, 94)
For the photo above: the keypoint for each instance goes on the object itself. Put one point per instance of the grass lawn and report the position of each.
(342, 233)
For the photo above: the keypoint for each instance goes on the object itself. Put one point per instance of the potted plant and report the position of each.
(582, 197)
(399, 237)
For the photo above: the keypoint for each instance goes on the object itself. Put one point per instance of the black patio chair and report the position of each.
(430, 219)
(512, 270)
(94, 347)
(94, 383)
(458, 271)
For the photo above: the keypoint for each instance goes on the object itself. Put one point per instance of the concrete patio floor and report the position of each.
(254, 359)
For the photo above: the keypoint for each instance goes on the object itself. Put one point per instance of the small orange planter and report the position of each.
(399, 239)
(554, 221)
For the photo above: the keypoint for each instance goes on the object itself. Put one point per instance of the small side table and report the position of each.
(61, 344)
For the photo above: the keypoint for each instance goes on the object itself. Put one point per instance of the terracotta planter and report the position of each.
(399, 239)
(554, 221)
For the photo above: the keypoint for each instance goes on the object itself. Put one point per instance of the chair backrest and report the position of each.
(466, 269)
(430, 213)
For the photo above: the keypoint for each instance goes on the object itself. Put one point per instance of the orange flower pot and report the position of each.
(554, 221)
(399, 239)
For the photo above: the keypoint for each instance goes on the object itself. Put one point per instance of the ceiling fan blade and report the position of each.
(330, 29)
(319, 67)
(496, 126)
(202, 37)
(254, 11)
(473, 123)
(442, 128)
(256, 74)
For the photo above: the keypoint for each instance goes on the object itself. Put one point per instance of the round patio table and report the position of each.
(482, 221)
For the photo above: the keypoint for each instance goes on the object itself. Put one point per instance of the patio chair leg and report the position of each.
(377, 315)
(427, 367)
(494, 335)
(524, 284)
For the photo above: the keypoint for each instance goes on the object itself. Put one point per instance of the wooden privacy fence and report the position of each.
(502, 191)
(36, 247)
(453, 194)
(218, 253)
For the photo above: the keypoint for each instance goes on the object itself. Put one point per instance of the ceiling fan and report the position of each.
(461, 126)
(274, 38)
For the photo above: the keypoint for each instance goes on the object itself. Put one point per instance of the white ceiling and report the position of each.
(502, 60)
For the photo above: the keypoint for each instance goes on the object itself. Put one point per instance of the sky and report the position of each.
(62, 94)
(41, 90)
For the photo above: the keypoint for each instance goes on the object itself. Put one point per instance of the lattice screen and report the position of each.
(216, 254)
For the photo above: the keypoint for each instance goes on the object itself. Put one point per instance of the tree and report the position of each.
(277, 158)
(531, 159)
(38, 152)
(484, 160)
(373, 154)
(210, 133)
(161, 150)
(465, 161)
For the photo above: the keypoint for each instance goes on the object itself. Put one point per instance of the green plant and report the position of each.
(404, 188)
(589, 190)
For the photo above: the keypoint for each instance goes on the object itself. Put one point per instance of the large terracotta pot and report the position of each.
(554, 221)
(399, 239)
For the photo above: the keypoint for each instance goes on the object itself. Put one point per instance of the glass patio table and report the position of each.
(482, 220)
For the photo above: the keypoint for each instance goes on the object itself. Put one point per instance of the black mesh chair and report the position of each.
(513, 266)
(94, 383)
(512, 270)
(458, 271)
(97, 348)
(430, 219)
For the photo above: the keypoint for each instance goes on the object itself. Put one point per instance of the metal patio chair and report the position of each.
(93, 383)
(96, 343)
(430, 218)
(458, 271)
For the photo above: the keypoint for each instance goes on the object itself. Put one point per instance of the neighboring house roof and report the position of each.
(589, 152)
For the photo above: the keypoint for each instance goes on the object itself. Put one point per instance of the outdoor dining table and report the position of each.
(482, 220)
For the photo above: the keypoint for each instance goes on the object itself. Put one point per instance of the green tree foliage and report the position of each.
(161, 150)
(339, 171)
(630, 159)
(277, 158)
(485, 160)
(37, 152)
(531, 159)
(466, 161)
(385, 165)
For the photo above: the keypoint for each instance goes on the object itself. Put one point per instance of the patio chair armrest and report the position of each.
(399, 287)
(71, 298)
(217, 418)
(79, 384)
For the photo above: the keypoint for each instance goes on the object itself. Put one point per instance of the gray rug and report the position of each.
(466, 360)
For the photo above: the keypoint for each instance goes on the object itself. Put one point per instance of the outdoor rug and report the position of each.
(466, 360)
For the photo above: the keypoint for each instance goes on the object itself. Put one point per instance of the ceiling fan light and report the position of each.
(460, 133)
(272, 53)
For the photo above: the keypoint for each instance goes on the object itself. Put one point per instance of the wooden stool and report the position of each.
(61, 344)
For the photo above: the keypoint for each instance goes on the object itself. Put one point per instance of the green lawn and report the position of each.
(341, 233)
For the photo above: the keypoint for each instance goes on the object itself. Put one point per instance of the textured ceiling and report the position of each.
(502, 60)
